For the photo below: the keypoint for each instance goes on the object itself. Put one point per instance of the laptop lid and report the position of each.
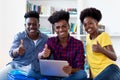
(53, 67)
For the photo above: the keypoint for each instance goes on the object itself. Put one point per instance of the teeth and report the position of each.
(32, 30)
(89, 29)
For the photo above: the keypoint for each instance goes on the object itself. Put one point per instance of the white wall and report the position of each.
(11, 21)
(111, 13)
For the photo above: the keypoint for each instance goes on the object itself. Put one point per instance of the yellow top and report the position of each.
(98, 61)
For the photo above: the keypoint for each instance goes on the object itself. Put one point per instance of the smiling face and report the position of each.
(90, 25)
(61, 28)
(32, 27)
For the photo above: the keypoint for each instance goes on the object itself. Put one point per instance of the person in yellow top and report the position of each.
(100, 54)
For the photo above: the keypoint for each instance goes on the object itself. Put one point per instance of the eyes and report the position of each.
(88, 24)
(62, 27)
(88, 21)
(31, 24)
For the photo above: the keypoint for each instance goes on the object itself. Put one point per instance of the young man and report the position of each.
(25, 47)
(65, 47)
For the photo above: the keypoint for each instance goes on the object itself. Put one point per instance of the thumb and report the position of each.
(98, 43)
(21, 42)
(46, 46)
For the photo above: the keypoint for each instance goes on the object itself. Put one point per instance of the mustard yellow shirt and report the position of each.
(98, 61)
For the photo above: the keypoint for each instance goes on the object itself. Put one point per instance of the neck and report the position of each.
(34, 37)
(63, 42)
(94, 35)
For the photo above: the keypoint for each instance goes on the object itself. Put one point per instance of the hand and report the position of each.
(21, 49)
(67, 69)
(97, 47)
(45, 53)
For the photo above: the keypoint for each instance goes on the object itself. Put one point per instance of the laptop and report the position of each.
(52, 67)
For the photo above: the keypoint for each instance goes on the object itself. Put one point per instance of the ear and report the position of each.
(68, 26)
(38, 25)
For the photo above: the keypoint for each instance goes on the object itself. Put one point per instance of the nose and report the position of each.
(61, 28)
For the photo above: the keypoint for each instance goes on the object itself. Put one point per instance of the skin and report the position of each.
(91, 27)
(31, 26)
(61, 28)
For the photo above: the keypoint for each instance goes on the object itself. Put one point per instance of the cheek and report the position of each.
(56, 30)
(27, 28)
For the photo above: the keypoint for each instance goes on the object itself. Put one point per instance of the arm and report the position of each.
(107, 50)
(17, 47)
(20, 50)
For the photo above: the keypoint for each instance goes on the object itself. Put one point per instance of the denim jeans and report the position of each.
(112, 72)
(79, 75)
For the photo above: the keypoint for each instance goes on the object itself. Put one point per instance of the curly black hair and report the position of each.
(91, 12)
(32, 14)
(59, 15)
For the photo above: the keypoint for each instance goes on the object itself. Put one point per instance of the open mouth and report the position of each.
(89, 30)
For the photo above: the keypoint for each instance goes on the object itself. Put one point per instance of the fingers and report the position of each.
(67, 69)
(46, 51)
(21, 44)
(96, 47)
(21, 47)
(98, 43)
(46, 46)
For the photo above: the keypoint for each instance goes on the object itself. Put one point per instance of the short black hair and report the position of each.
(91, 12)
(59, 15)
(33, 14)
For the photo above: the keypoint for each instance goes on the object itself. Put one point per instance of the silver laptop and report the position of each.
(53, 67)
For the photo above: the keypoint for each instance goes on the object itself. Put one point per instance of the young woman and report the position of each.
(99, 50)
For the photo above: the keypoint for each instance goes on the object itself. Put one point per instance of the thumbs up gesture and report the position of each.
(45, 53)
(97, 47)
(21, 48)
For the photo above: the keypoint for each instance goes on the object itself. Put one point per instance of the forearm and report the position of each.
(109, 52)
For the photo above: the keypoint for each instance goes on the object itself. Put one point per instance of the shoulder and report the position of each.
(43, 35)
(21, 34)
(74, 40)
(104, 35)
(52, 38)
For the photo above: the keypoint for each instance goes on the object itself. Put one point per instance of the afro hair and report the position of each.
(91, 12)
(59, 15)
(33, 14)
